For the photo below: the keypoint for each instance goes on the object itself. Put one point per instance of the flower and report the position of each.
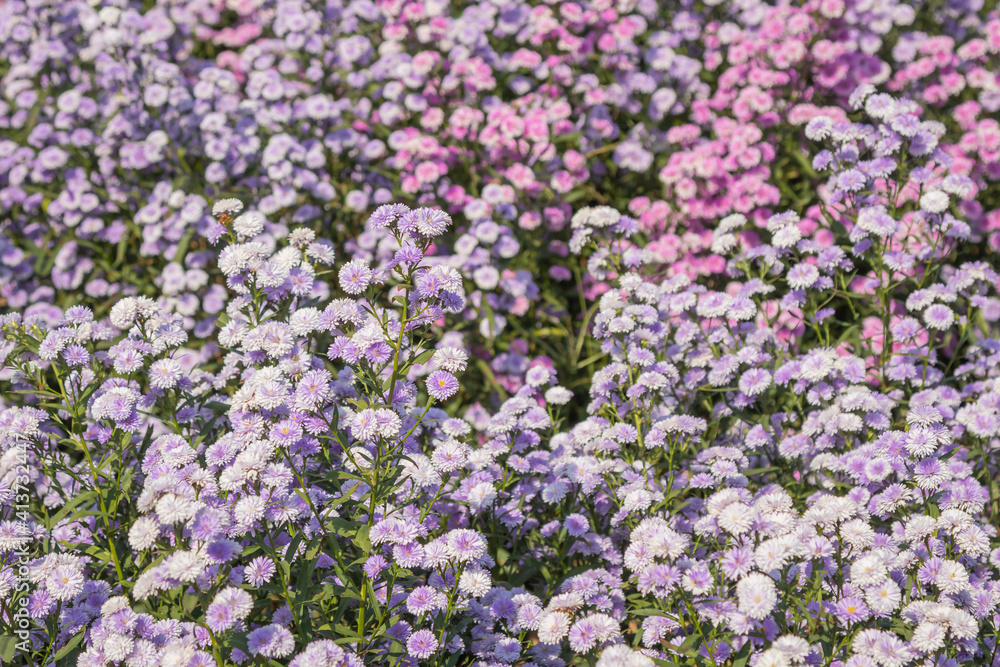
(451, 359)
(355, 276)
(474, 582)
(928, 637)
(757, 595)
(755, 381)
(229, 606)
(431, 222)
(934, 201)
(248, 225)
(226, 207)
(254, 454)
(939, 317)
(620, 655)
(164, 373)
(125, 313)
(441, 385)
(553, 626)
(271, 641)
(65, 582)
(802, 276)
(259, 571)
(422, 644)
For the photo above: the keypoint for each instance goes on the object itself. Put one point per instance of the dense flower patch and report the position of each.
(507, 333)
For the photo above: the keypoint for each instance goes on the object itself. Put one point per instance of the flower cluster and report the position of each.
(124, 133)
(743, 410)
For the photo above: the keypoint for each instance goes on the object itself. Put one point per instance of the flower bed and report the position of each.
(499, 334)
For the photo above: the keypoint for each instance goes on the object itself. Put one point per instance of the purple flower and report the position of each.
(939, 317)
(851, 180)
(259, 571)
(76, 355)
(374, 566)
(441, 385)
(65, 582)
(507, 650)
(271, 641)
(422, 599)
(466, 544)
(164, 373)
(584, 635)
(755, 381)
(576, 525)
(422, 644)
(355, 276)
(850, 609)
(229, 606)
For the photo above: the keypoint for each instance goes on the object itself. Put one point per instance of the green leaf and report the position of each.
(690, 646)
(761, 471)
(743, 657)
(665, 663)
(7, 647)
(648, 611)
(72, 644)
(68, 507)
(189, 602)
(362, 539)
(589, 360)
(423, 357)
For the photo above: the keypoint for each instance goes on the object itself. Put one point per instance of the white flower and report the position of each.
(387, 423)
(723, 243)
(620, 655)
(451, 359)
(963, 624)
(128, 310)
(143, 533)
(186, 565)
(364, 425)
(537, 376)
(482, 495)
(883, 598)
(771, 555)
(227, 207)
(952, 578)
(934, 201)
(756, 595)
(486, 278)
(736, 518)
(595, 216)
(248, 225)
(172, 508)
(786, 237)
(868, 571)
(475, 582)
(164, 373)
(730, 222)
(928, 637)
(553, 627)
(772, 658)
(117, 647)
(114, 605)
(794, 647)
(249, 509)
(558, 396)
(818, 128)
(304, 321)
